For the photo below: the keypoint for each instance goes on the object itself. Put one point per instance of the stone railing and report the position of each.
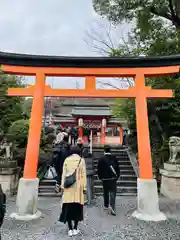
(133, 160)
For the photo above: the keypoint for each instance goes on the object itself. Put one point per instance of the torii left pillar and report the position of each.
(27, 197)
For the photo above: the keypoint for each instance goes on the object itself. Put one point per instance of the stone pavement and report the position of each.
(97, 224)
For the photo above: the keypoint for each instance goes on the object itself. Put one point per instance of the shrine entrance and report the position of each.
(90, 68)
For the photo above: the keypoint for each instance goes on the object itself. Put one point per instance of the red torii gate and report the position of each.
(147, 187)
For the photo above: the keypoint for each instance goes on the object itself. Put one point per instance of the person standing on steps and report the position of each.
(89, 174)
(108, 173)
(80, 144)
(74, 135)
(58, 160)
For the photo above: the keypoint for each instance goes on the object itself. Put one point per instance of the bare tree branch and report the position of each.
(100, 38)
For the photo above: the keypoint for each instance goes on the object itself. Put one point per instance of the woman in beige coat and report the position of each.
(73, 197)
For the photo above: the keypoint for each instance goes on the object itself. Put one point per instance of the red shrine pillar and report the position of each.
(103, 131)
(80, 128)
(121, 134)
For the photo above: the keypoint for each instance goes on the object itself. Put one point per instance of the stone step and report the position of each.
(119, 160)
(95, 156)
(121, 166)
(49, 194)
(47, 188)
(125, 194)
(123, 171)
(120, 189)
(129, 177)
(122, 176)
(47, 182)
(119, 156)
(96, 149)
(120, 182)
(127, 171)
(126, 164)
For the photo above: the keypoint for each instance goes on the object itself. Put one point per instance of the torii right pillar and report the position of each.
(147, 195)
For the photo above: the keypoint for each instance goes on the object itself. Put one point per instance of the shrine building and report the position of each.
(92, 114)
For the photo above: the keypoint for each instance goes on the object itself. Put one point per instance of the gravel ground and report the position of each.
(97, 224)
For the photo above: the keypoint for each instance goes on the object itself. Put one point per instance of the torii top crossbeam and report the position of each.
(90, 68)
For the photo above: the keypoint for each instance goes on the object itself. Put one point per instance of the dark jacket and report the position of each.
(74, 132)
(81, 148)
(89, 162)
(104, 167)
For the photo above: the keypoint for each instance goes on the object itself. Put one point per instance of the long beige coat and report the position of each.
(74, 194)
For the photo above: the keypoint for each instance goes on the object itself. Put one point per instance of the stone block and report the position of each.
(172, 167)
(170, 181)
(9, 179)
(170, 187)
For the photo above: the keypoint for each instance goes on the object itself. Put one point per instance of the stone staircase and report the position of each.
(127, 183)
(46, 188)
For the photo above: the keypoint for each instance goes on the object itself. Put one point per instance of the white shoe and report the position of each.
(70, 233)
(57, 188)
(112, 211)
(76, 232)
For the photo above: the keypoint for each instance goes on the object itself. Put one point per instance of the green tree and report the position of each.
(156, 31)
(27, 105)
(18, 134)
(10, 107)
(144, 12)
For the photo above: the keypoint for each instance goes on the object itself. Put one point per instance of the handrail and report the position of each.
(133, 160)
(91, 142)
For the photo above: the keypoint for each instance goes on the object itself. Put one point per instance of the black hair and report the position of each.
(85, 153)
(66, 138)
(75, 150)
(107, 149)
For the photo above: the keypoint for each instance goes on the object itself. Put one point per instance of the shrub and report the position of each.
(18, 134)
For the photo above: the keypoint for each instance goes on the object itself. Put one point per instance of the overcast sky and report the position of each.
(48, 27)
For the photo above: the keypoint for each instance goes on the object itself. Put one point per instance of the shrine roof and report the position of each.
(87, 62)
(87, 102)
(80, 111)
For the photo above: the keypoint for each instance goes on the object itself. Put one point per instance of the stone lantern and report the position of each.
(80, 122)
(104, 123)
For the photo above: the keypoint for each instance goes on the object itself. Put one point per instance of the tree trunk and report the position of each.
(177, 8)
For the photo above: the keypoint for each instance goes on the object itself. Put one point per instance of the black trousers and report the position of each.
(109, 188)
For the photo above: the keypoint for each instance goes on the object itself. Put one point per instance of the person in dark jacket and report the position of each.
(74, 135)
(80, 144)
(108, 173)
(61, 153)
(125, 133)
(89, 174)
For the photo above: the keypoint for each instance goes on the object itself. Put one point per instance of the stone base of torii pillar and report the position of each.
(27, 200)
(148, 201)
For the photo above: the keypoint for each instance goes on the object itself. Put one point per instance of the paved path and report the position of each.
(97, 224)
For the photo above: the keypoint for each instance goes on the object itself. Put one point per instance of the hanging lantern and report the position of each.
(104, 122)
(80, 122)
